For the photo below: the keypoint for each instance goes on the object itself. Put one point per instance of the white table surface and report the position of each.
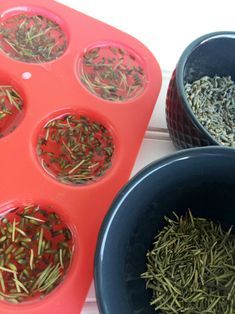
(166, 27)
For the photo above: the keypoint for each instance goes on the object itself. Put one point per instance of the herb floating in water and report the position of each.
(36, 248)
(32, 38)
(75, 149)
(11, 105)
(191, 268)
(112, 73)
(213, 102)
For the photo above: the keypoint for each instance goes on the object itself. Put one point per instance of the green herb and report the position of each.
(212, 101)
(190, 268)
(75, 149)
(27, 264)
(112, 73)
(11, 105)
(32, 38)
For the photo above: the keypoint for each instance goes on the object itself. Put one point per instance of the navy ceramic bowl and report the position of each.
(202, 179)
(212, 54)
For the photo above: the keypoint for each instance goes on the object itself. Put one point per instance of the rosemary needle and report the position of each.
(190, 268)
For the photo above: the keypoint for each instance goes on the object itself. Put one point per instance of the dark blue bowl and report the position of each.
(202, 179)
(212, 54)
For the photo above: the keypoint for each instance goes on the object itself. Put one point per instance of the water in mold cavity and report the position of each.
(75, 149)
(36, 249)
(112, 72)
(11, 109)
(32, 38)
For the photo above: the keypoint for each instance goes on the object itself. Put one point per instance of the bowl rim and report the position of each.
(123, 194)
(180, 83)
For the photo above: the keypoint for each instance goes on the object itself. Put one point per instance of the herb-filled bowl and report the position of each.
(200, 106)
(194, 188)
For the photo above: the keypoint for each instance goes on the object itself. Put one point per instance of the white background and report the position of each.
(166, 28)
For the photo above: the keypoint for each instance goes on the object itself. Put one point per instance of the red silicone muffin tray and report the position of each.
(49, 90)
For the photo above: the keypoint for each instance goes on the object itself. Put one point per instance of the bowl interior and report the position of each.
(200, 179)
(209, 55)
(213, 56)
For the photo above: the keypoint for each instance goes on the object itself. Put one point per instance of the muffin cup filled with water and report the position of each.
(112, 72)
(11, 109)
(75, 149)
(36, 249)
(32, 38)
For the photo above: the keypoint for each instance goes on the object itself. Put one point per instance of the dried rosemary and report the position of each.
(75, 149)
(213, 102)
(32, 38)
(191, 268)
(36, 248)
(11, 109)
(112, 73)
